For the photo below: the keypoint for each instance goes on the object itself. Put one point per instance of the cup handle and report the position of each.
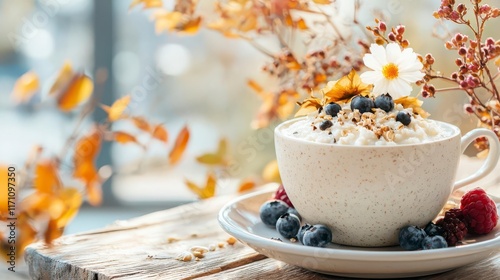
(490, 162)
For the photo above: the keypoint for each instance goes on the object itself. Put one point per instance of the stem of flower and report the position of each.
(337, 31)
(257, 46)
(448, 89)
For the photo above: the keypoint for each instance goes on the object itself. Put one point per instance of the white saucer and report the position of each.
(240, 218)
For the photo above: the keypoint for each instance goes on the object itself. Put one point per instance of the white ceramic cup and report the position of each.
(365, 194)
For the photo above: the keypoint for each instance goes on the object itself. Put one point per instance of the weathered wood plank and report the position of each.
(276, 270)
(140, 248)
(146, 248)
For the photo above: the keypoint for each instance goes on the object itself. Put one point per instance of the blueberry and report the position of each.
(434, 242)
(432, 229)
(410, 237)
(302, 230)
(270, 211)
(332, 109)
(384, 102)
(294, 211)
(288, 225)
(363, 104)
(326, 124)
(403, 117)
(317, 236)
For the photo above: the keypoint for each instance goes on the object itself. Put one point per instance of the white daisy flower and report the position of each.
(393, 70)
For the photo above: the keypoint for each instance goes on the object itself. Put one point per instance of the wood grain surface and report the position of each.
(147, 247)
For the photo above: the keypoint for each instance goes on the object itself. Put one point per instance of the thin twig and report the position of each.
(448, 89)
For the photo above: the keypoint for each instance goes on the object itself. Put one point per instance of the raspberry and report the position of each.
(453, 226)
(280, 194)
(480, 211)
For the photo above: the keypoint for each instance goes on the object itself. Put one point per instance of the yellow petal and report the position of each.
(346, 88)
(414, 103)
(308, 106)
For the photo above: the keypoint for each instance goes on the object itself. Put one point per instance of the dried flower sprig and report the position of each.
(297, 74)
(477, 62)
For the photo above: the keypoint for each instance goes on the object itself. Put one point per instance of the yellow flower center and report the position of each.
(390, 71)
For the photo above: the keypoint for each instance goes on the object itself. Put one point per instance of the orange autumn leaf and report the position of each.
(271, 172)
(322, 2)
(39, 203)
(346, 88)
(179, 146)
(141, 123)
(414, 103)
(301, 24)
(72, 199)
(147, 4)
(86, 151)
(52, 232)
(116, 110)
(206, 191)
(63, 78)
(246, 185)
(26, 234)
(285, 105)
(123, 137)
(77, 92)
(176, 21)
(255, 86)
(46, 177)
(25, 87)
(88, 147)
(87, 172)
(217, 158)
(4, 195)
(309, 105)
(159, 132)
(94, 194)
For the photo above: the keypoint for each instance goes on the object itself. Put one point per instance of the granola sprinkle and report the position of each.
(371, 128)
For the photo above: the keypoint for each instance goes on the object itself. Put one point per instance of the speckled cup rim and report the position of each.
(455, 132)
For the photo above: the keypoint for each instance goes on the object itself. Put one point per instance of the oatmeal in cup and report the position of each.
(366, 175)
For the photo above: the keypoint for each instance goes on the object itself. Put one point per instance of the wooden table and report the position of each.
(147, 247)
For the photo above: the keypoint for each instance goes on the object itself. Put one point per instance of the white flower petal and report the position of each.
(370, 77)
(409, 69)
(371, 62)
(410, 66)
(393, 53)
(411, 77)
(401, 87)
(380, 87)
(378, 53)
